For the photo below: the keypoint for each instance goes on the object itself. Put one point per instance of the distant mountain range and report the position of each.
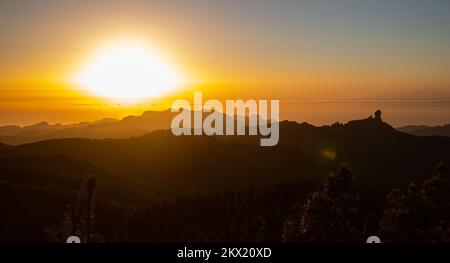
(106, 128)
(39, 180)
(132, 126)
(424, 130)
(376, 150)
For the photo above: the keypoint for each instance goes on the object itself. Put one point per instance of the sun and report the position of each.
(128, 70)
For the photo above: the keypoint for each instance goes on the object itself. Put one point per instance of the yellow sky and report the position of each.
(257, 49)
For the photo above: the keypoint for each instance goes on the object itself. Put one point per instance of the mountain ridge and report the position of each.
(425, 130)
(303, 150)
(42, 179)
(105, 128)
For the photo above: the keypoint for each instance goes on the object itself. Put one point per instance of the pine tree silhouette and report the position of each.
(330, 215)
(79, 218)
(420, 214)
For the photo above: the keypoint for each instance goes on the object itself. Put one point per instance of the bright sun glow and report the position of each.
(128, 71)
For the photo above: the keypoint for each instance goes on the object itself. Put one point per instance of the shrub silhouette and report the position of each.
(79, 218)
(330, 215)
(420, 214)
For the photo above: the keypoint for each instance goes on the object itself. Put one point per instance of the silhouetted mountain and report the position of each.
(377, 151)
(129, 126)
(9, 130)
(147, 183)
(424, 130)
(105, 128)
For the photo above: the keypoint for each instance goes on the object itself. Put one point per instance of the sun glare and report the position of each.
(128, 71)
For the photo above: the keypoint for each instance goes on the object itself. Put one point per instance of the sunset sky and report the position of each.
(312, 49)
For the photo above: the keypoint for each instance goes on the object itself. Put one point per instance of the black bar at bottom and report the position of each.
(224, 252)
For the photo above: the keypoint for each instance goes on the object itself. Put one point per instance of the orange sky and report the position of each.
(256, 49)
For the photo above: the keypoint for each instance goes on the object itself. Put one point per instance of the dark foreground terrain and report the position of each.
(338, 183)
